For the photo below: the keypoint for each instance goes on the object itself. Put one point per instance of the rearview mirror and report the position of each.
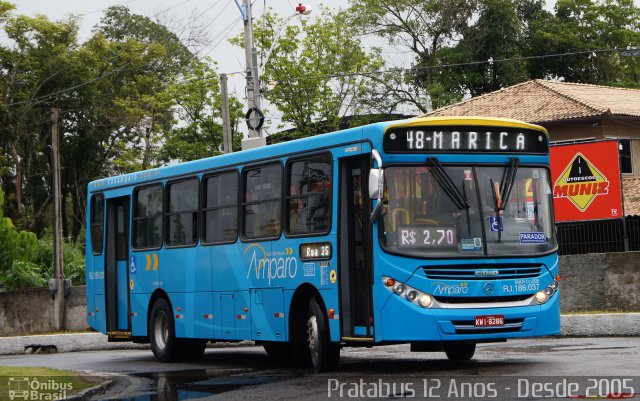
(376, 181)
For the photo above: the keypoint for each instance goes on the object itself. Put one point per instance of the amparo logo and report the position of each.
(269, 266)
(440, 288)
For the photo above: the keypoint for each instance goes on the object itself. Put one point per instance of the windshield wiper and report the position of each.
(506, 185)
(459, 200)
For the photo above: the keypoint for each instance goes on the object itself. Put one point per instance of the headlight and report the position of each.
(412, 295)
(544, 295)
(425, 301)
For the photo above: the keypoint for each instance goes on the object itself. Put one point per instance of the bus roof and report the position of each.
(371, 132)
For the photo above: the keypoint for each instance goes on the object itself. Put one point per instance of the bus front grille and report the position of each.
(482, 300)
(482, 272)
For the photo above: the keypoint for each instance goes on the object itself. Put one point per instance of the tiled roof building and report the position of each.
(569, 112)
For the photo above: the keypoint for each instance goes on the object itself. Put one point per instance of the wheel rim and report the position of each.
(313, 339)
(161, 330)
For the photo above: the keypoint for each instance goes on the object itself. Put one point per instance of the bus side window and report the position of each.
(182, 212)
(308, 208)
(97, 223)
(220, 212)
(147, 217)
(262, 202)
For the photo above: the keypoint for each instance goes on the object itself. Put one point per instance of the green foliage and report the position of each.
(15, 246)
(26, 261)
(317, 70)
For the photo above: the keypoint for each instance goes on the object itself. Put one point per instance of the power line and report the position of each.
(227, 30)
(442, 66)
(224, 35)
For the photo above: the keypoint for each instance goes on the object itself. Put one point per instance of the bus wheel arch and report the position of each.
(309, 310)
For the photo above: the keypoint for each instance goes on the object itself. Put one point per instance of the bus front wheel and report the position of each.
(459, 351)
(324, 354)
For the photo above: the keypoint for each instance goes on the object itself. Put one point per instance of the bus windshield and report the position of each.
(441, 211)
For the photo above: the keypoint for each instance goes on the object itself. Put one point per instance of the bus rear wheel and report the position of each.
(162, 332)
(459, 351)
(324, 353)
(164, 344)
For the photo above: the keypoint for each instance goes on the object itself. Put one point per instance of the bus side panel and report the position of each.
(181, 321)
(216, 320)
(227, 318)
(101, 314)
(242, 302)
(199, 310)
(139, 305)
(330, 299)
(267, 314)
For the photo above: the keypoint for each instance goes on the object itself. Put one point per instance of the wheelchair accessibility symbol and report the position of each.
(132, 265)
(496, 224)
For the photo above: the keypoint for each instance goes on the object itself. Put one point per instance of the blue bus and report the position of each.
(436, 232)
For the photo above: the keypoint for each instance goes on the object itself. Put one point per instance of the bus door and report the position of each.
(116, 271)
(355, 250)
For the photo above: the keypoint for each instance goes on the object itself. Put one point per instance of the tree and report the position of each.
(198, 107)
(584, 26)
(497, 34)
(319, 77)
(423, 27)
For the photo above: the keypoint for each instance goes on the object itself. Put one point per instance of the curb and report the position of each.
(87, 393)
(600, 325)
(578, 325)
(65, 343)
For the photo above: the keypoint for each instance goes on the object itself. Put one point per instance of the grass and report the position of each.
(50, 384)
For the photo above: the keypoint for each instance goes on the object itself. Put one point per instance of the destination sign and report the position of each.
(464, 139)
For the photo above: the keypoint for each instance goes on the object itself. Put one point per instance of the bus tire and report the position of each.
(459, 351)
(162, 332)
(324, 353)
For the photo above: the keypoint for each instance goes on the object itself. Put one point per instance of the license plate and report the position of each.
(490, 320)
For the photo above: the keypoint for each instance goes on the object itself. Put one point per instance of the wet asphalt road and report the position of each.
(498, 371)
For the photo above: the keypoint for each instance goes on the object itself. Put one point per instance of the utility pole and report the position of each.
(57, 285)
(227, 139)
(254, 116)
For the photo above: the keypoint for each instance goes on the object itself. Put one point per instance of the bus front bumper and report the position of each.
(402, 321)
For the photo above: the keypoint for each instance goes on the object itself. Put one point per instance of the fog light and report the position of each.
(412, 295)
(425, 301)
(541, 297)
(399, 288)
(554, 285)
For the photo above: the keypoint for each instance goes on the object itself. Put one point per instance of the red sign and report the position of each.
(586, 181)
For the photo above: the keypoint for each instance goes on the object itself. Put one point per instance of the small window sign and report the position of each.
(315, 251)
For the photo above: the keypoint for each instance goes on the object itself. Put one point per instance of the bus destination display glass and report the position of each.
(464, 139)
